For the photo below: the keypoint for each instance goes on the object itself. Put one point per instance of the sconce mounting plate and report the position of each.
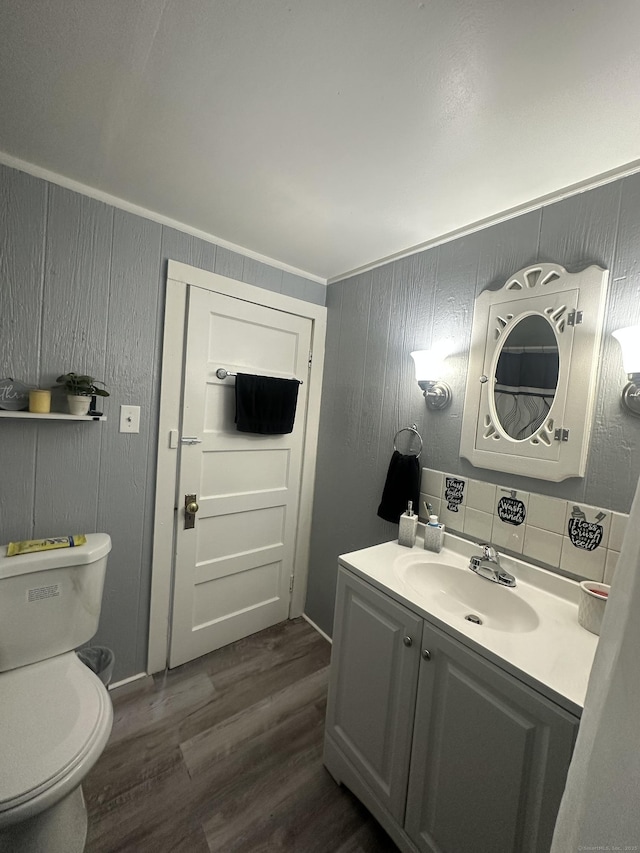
(631, 398)
(436, 394)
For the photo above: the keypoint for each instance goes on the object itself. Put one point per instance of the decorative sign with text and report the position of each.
(584, 534)
(453, 493)
(14, 395)
(511, 511)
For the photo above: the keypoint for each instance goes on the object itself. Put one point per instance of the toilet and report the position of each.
(55, 713)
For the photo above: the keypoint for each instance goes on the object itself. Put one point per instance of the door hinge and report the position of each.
(561, 435)
(291, 584)
(310, 358)
(574, 318)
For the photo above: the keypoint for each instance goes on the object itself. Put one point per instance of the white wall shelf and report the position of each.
(51, 416)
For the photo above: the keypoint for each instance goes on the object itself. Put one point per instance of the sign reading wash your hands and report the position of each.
(511, 511)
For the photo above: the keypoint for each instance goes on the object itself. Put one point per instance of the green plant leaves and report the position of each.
(81, 385)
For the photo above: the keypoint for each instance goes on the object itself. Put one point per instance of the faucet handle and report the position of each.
(488, 551)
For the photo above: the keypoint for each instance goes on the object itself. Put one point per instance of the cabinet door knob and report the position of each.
(426, 654)
(408, 641)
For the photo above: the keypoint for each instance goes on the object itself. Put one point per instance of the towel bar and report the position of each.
(221, 373)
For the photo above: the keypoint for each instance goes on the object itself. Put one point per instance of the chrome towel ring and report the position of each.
(414, 430)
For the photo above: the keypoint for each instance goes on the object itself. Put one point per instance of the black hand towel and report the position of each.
(265, 404)
(402, 485)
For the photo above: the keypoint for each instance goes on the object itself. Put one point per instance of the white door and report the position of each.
(233, 569)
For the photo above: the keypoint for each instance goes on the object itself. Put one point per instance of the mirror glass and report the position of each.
(526, 377)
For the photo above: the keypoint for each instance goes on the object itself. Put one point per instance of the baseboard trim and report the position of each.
(319, 630)
(124, 681)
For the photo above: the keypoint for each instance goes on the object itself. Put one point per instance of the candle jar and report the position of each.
(40, 401)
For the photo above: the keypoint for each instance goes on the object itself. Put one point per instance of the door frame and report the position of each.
(179, 278)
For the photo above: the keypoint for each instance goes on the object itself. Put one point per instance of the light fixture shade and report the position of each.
(423, 363)
(429, 363)
(629, 340)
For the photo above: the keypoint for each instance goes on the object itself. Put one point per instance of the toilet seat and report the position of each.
(56, 719)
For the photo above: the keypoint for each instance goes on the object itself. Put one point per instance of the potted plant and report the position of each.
(80, 390)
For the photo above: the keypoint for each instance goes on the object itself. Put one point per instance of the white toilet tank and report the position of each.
(50, 601)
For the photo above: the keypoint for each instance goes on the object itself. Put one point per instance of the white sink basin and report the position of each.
(531, 629)
(461, 593)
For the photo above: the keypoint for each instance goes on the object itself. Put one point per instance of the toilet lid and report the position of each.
(51, 714)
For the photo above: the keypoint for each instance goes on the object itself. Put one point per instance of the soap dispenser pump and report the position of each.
(408, 527)
(433, 535)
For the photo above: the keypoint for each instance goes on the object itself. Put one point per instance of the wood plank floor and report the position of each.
(224, 755)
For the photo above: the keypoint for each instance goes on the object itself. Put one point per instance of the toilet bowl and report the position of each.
(56, 714)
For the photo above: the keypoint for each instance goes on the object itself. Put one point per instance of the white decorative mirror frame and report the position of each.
(573, 306)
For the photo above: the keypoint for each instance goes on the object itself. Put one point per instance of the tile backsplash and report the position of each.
(574, 539)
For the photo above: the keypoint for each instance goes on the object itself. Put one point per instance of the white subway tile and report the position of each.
(507, 535)
(454, 520)
(547, 513)
(618, 528)
(610, 565)
(584, 564)
(432, 482)
(481, 496)
(431, 499)
(542, 545)
(478, 524)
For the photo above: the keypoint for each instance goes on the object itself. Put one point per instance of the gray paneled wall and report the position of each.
(375, 319)
(82, 288)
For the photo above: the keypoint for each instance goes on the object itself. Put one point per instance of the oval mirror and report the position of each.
(526, 377)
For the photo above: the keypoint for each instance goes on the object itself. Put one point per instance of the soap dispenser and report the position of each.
(433, 535)
(408, 527)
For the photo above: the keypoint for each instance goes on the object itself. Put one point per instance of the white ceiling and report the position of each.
(323, 134)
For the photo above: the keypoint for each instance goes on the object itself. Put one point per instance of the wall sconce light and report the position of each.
(629, 340)
(428, 365)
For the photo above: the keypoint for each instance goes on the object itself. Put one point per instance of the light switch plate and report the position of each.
(129, 418)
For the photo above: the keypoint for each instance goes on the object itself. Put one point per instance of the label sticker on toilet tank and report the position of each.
(39, 593)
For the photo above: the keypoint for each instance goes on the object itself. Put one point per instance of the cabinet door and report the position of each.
(372, 688)
(490, 757)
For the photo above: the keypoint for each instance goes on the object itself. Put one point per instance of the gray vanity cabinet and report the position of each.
(490, 756)
(447, 750)
(372, 691)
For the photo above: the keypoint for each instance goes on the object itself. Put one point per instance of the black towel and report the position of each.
(401, 486)
(265, 404)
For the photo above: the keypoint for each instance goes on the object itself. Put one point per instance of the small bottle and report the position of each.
(433, 535)
(408, 527)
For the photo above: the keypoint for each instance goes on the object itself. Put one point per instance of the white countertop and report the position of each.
(555, 657)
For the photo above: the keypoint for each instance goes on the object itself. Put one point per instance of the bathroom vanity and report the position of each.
(455, 732)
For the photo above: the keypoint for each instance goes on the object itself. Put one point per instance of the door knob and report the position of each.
(426, 654)
(407, 641)
(190, 509)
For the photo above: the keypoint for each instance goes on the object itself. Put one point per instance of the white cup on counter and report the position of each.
(593, 599)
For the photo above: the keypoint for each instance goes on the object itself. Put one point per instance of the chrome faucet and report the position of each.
(487, 565)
